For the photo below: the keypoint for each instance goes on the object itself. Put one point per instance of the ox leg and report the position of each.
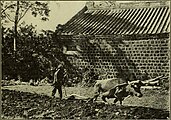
(120, 102)
(96, 93)
(121, 99)
(116, 100)
(106, 95)
(104, 98)
(95, 97)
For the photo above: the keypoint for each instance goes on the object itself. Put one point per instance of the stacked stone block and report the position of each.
(124, 58)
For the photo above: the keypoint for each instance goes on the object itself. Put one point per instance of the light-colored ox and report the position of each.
(117, 88)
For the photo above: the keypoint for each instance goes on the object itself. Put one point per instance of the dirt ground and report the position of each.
(24, 101)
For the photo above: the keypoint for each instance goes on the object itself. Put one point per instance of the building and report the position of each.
(121, 41)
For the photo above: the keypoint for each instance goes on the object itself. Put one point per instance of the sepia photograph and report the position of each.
(85, 59)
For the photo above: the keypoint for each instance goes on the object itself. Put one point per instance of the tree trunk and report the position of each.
(15, 26)
(15, 38)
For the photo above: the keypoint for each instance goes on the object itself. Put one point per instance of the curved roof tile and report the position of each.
(120, 21)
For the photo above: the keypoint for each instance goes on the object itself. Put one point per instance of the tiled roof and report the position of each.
(120, 21)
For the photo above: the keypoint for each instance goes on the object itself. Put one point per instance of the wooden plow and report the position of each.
(154, 83)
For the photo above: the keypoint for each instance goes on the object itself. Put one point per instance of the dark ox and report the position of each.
(112, 89)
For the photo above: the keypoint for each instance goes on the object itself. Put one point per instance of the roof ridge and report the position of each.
(93, 9)
(126, 5)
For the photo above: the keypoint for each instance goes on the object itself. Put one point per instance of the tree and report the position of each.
(30, 61)
(14, 11)
(37, 54)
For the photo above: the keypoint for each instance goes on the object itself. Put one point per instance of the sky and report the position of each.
(60, 13)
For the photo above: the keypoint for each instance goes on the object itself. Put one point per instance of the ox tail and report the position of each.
(97, 90)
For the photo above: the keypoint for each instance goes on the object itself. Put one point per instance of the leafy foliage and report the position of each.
(37, 57)
(29, 61)
(14, 11)
(36, 8)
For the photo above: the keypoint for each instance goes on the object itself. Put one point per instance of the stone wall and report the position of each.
(127, 59)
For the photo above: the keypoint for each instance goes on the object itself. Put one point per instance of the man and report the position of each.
(59, 80)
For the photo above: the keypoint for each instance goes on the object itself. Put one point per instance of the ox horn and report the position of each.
(133, 82)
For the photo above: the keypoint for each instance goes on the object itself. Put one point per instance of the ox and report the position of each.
(105, 85)
(121, 91)
(113, 88)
